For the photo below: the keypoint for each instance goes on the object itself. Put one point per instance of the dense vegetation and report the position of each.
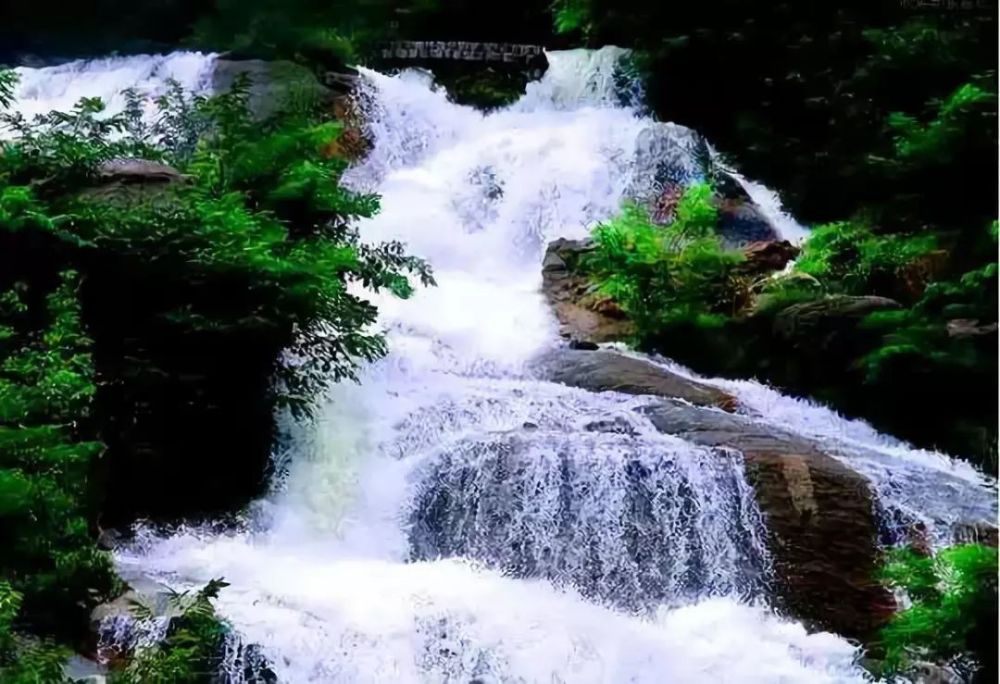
(953, 614)
(202, 286)
(878, 123)
(191, 651)
(661, 275)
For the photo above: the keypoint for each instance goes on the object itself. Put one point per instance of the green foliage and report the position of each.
(937, 141)
(780, 292)
(24, 660)
(252, 243)
(665, 274)
(262, 208)
(571, 15)
(8, 80)
(849, 258)
(920, 334)
(46, 387)
(954, 599)
(192, 649)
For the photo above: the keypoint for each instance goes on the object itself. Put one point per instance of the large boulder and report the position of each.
(742, 222)
(583, 314)
(273, 85)
(609, 371)
(128, 182)
(767, 256)
(819, 514)
(829, 322)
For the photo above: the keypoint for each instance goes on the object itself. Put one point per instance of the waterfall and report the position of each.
(59, 88)
(453, 518)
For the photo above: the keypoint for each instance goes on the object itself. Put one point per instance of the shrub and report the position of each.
(954, 607)
(153, 292)
(665, 274)
(847, 257)
(191, 652)
(46, 387)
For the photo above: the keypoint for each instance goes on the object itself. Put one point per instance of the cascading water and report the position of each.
(452, 518)
(59, 88)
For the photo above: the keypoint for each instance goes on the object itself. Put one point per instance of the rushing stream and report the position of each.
(454, 519)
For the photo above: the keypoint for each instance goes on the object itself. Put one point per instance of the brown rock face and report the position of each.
(819, 516)
(609, 371)
(351, 144)
(584, 316)
(768, 256)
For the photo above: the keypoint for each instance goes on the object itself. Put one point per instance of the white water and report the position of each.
(59, 88)
(595, 549)
(913, 485)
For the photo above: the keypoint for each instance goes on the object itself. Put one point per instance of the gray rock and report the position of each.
(274, 85)
(142, 590)
(129, 182)
(605, 370)
(932, 673)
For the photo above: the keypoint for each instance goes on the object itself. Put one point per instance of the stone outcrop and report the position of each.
(767, 256)
(829, 321)
(584, 315)
(742, 222)
(819, 514)
(126, 182)
(272, 84)
(609, 371)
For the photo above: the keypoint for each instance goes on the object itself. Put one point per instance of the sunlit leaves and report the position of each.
(954, 596)
(662, 274)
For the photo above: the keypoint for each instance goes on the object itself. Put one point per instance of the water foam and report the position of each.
(59, 88)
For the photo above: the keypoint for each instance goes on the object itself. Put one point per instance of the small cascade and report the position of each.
(59, 88)
(634, 521)
(918, 490)
(584, 78)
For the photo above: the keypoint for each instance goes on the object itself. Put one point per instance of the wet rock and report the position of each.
(142, 591)
(80, 670)
(976, 533)
(668, 156)
(591, 510)
(910, 281)
(819, 515)
(584, 316)
(352, 143)
(610, 371)
(616, 425)
(932, 673)
(742, 222)
(128, 182)
(767, 256)
(137, 171)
